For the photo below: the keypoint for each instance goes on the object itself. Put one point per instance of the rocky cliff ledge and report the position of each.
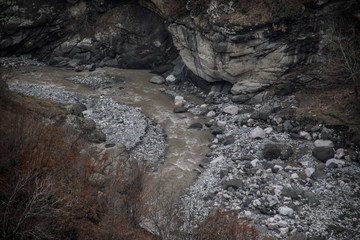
(257, 44)
(253, 45)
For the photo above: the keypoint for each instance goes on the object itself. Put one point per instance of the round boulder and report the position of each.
(323, 153)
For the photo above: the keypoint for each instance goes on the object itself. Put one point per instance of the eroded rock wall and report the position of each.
(70, 33)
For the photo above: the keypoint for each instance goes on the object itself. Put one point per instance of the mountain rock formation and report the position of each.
(253, 45)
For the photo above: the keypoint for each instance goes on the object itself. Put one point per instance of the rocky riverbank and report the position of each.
(143, 138)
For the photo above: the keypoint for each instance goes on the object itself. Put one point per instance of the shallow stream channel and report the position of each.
(176, 159)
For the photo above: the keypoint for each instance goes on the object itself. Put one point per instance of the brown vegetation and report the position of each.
(50, 186)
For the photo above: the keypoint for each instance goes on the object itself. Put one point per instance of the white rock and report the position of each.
(171, 78)
(309, 171)
(215, 141)
(286, 211)
(211, 114)
(278, 167)
(221, 123)
(294, 176)
(257, 133)
(323, 143)
(179, 100)
(226, 196)
(282, 223)
(337, 162)
(257, 202)
(218, 159)
(232, 109)
(284, 231)
(157, 80)
(87, 113)
(254, 162)
(203, 105)
(305, 135)
(247, 213)
(272, 226)
(268, 130)
(340, 153)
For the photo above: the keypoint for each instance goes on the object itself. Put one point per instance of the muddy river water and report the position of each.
(186, 147)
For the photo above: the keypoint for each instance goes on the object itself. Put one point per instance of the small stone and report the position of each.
(211, 114)
(268, 130)
(196, 126)
(232, 109)
(226, 196)
(273, 203)
(179, 109)
(171, 78)
(326, 133)
(221, 123)
(286, 152)
(340, 153)
(254, 162)
(256, 202)
(257, 133)
(309, 171)
(204, 163)
(228, 140)
(323, 153)
(286, 211)
(287, 126)
(157, 80)
(323, 143)
(271, 151)
(294, 176)
(179, 100)
(282, 223)
(234, 183)
(218, 130)
(335, 163)
(240, 98)
(305, 135)
(92, 67)
(284, 231)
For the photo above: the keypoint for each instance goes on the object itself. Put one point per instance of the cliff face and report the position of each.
(71, 33)
(258, 44)
(253, 45)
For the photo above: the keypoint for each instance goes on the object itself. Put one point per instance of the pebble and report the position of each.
(286, 211)
(232, 109)
(257, 133)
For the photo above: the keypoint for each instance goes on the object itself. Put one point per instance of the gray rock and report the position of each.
(287, 126)
(286, 152)
(271, 151)
(323, 153)
(309, 171)
(179, 109)
(257, 133)
(335, 163)
(228, 140)
(323, 143)
(319, 171)
(240, 98)
(196, 126)
(234, 183)
(232, 110)
(92, 67)
(340, 153)
(157, 80)
(218, 130)
(286, 211)
(326, 133)
(204, 163)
